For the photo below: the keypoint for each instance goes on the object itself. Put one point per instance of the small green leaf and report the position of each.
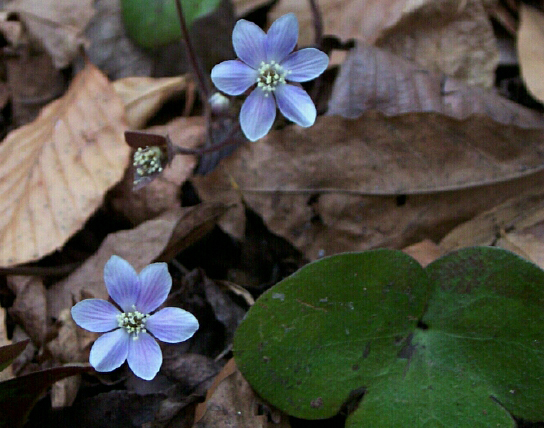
(460, 343)
(154, 23)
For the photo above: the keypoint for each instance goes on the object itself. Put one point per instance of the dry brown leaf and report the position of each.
(57, 24)
(163, 193)
(232, 402)
(143, 96)
(424, 252)
(521, 210)
(451, 36)
(56, 169)
(313, 186)
(372, 78)
(530, 46)
(29, 309)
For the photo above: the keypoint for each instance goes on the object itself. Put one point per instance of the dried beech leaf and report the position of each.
(315, 186)
(530, 46)
(57, 24)
(143, 96)
(56, 169)
(373, 79)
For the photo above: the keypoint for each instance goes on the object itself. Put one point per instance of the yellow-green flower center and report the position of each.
(133, 322)
(271, 74)
(147, 161)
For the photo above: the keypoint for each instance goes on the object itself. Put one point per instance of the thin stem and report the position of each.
(227, 141)
(202, 82)
(318, 28)
(318, 23)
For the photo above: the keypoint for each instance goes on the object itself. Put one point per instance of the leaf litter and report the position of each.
(410, 153)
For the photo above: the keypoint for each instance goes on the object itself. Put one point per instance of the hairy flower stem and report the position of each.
(195, 65)
(318, 29)
(318, 23)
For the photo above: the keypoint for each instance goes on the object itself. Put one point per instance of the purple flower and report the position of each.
(268, 61)
(127, 334)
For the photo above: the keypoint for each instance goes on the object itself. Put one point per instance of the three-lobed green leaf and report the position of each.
(459, 343)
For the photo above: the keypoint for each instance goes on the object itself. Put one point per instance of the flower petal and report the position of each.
(249, 43)
(281, 37)
(144, 356)
(172, 325)
(156, 284)
(233, 77)
(95, 315)
(296, 105)
(122, 282)
(305, 64)
(257, 114)
(110, 350)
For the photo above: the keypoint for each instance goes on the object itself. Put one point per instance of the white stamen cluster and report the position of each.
(270, 76)
(147, 161)
(133, 322)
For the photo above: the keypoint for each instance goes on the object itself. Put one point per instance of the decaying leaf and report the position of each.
(56, 169)
(427, 173)
(530, 46)
(143, 96)
(232, 402)
(373, 79)
(522, 210)
(29, 309)
(449, 36)
(57, 24)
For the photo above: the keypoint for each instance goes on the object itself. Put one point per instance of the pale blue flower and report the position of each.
(267, 60)
(130, 334)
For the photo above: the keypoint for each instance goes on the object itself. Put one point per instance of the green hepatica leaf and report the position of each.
(459, 344)
(331, 328)
(154, 23)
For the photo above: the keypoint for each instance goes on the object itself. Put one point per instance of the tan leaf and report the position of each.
(143, 96)
(56, 169)
(521, 211)
(57, 24)
(451, 36)
(424, 252)
(530, 46)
